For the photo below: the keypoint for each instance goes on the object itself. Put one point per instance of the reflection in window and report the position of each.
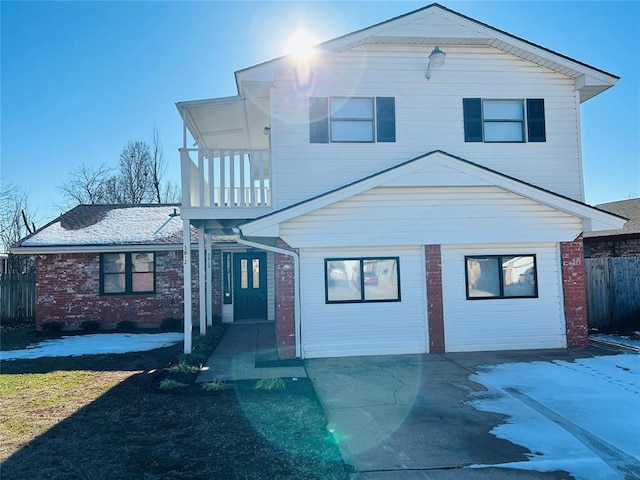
(497, 276)
(256, 272)
(244, 274)
(113, 276)
(127, 273)
(362, 280)
(227, 285)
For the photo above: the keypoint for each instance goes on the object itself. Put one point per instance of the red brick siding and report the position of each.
(285, 303)
(68, 291)
(435, 311)
(575, 303)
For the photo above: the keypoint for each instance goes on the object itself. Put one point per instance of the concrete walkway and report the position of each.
(247, 351)
(405, 417)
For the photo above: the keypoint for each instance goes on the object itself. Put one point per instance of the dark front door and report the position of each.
(250, 286)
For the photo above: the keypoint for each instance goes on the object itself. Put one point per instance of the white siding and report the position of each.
(428, 117)
(430, 215)
(330, 330)
(504, 324)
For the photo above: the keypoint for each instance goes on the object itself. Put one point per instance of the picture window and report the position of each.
(358, 280)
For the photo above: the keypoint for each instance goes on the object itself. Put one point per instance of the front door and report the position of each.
(250, 286)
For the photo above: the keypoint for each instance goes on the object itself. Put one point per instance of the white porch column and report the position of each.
(186, 271)
(207, 239)
(202, 284)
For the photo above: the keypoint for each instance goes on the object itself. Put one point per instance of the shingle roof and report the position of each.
(625, 208)
(112, 225)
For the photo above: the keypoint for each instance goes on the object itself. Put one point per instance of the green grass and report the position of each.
(270, 384)
(102, 417)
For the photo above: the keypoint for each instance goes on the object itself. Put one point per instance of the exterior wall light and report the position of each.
(436, 59)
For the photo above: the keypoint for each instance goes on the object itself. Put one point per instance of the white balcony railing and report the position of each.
(225, 178)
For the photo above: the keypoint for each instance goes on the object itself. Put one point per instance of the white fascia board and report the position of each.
(53, 249)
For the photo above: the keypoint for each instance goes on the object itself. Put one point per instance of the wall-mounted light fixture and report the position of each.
(436, 59)
(266, 130)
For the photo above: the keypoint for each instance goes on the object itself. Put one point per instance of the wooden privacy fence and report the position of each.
(613, 292)
(17, 298)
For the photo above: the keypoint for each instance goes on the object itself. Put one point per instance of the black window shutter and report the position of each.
(472, 109)
(319, 119)
(386, 119)
(535, 120)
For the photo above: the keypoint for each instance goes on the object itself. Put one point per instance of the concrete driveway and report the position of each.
(405, 417)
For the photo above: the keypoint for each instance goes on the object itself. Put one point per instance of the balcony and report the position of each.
(225, 183)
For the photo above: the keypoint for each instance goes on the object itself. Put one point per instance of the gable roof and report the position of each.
(97, 226)
(421, 171)
(625, 208)
(435, 24)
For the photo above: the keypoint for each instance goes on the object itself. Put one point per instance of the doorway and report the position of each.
(250, 286)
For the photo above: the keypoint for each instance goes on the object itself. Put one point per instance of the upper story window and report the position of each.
(127, 273)
(352, 119)
(504, 121)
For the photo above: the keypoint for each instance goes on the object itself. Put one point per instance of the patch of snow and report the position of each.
(598, 397)
(96, 344)
(119, 226)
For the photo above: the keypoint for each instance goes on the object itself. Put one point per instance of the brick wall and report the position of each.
(575, 302)
(285, 302)
(618, 247)
(435, 312)
(68, 291)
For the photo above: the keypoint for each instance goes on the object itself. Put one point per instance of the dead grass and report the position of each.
(102, 417)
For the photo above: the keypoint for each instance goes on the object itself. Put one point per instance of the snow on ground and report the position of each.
(582, 417)
(76, 345)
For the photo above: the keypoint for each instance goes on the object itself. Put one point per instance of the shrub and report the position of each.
(215, 386)
(183, 367)
(90, 326)
(126, 326)
(171, 324)
(168, 384)
(51, 327)
(275, 383)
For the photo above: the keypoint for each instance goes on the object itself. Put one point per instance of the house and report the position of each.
(415, 186)
(623, 242)
(109, 263)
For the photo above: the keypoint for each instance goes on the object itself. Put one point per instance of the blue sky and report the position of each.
(81, 79)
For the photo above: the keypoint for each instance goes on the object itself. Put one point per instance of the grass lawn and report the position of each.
(103, 417)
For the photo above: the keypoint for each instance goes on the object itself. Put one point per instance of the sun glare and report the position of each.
(300, 45)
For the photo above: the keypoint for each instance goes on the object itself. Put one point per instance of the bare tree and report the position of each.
(16, 221)
(135, 174)
(136, 179)
(88, 185)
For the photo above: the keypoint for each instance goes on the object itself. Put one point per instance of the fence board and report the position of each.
(17, 298)
(613, 292)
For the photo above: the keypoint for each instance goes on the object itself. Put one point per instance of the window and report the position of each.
(495, 121)
(226, 278)
(352, 119)
(127, 273)
(501, 276)
(356, 280)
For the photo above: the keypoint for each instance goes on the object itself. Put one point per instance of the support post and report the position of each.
(209, 280)
(202, 284)
(186, 270)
